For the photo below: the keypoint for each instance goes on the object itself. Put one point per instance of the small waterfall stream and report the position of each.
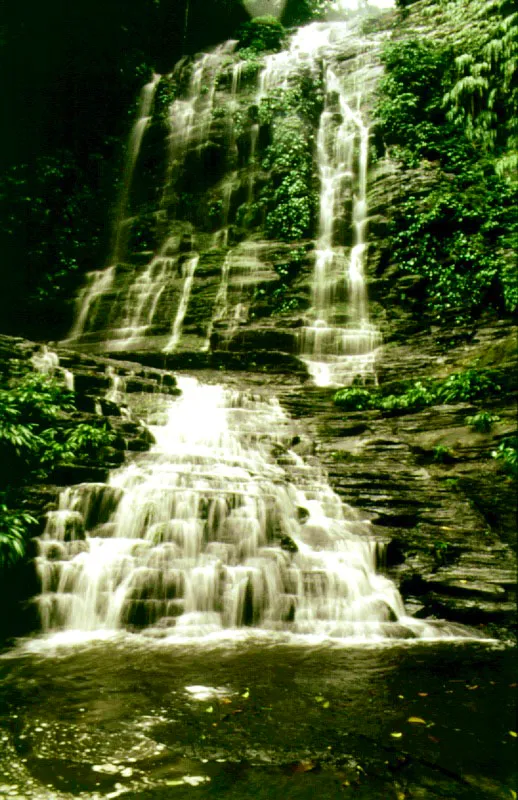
(221, 527)
(100, 281)
(339, 349)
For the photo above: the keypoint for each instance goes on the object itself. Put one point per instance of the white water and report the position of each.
(337, 349)
(221, 526)
(136, 136)
(338, 342)
(189, 270)
(99, 282)
(242, 268)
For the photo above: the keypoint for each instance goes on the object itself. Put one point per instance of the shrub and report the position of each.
(433, 107)
(289, 198)
(88, 440)
(443, 455)
(15, 527)
(355, 399)
(482, 421)
(417, 396)
(262, 33)
(507, 456)
(460, 387)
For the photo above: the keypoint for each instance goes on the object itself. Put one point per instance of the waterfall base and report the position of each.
(221, 527)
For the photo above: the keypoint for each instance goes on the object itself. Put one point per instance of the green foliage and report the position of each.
(28, 410)
(460, 387)
(444, 552)
(464, 387)
(36, 436)
(507, 456)
(165, 94)
(442, 455)
(261, 33)
(304, 97)
(354, 399)
(417, 396)
(482, 421)
(483, 96)
(88, 440)
(15, 528)
(289, 197)
(297, 12)
(50, 207)
(460, 236)
(410, 96)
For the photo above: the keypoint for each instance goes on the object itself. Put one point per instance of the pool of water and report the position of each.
(123, 716)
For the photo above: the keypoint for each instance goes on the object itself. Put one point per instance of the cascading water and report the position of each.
(220, 527)
(335, 352)
(216, 143)
(100, 281)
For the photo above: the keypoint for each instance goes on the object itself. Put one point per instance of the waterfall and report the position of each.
(132, 152)
(100, 281)
(215, 150)
(222, 526)
(338, 353)
(192, 263)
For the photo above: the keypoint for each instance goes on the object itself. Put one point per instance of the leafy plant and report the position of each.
(289, 199)
(88, 440)
(482, 421)
(417, 396)
(15, 527)
(262, 33)
(444, 552)
(354, 399)
(507, 455)
(460, 235)
(460, 387)
(443, 455)
(483, 97)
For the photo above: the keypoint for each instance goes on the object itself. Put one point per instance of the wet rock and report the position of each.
(70, 474)
(288, 544)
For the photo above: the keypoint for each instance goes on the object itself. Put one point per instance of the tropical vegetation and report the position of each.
(38, 433)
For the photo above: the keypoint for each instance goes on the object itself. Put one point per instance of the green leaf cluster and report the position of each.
(483, 95)
(482, 421)
(507, 456)
(51, 207)
(460, 236)
(14, 527)
(460, 387)
(261, 34)
(289, 197)
(36, 436)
